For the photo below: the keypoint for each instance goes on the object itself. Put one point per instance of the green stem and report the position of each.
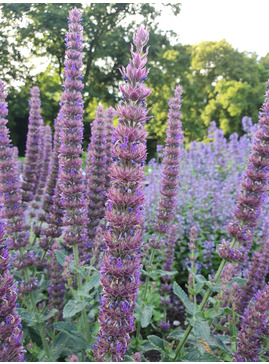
(35, 311)
(83, 312)
(145, 291)
(202, 304)
(33, 242)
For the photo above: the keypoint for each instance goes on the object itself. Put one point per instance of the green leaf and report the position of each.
(65, 327)
(128, 358)
(60, 256)
(51, 313)
(192, 355)
(79, 270)
(240, 281)
(158, 343)
(202, 330)
(184, 298)
(176, 334)
(199, 278)
(214, 287)
(146, 347)
(73, 307)
(162, 272)
(146, 315)
(26, 316)
(208, 357)
(93, 282)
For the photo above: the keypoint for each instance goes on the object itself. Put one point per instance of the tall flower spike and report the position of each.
(171, 162)
(96, 177)
(53, 170)
(110, 113)
(71, 136)
(10, 193)
(120, 268)
(11, 349)
(57, 284)
(256, 277)
(253, 324)
(47, 148)
(254, 185)
(31, 167)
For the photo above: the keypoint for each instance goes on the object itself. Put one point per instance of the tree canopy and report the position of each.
(219, 82)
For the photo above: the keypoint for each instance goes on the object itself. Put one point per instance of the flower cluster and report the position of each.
(53, 170)
(253, 324)
(10, 193)
(11, 348)
(71, 180)
(57, 284)
(110, 113)
(31, 167)
(52, 199)
(254, 185)
(120, 266)
(171, 161)
(47, 148)
(256, 276)
(96, 176)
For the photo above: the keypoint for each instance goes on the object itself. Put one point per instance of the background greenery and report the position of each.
(219, 82)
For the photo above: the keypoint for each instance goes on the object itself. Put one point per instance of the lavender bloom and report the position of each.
(123, 236)
(47, 149)
(99, 246)
(254, 185)
(256, 277)
(52, 201)
(171, 161)
(53, 170)
(57, 284)
(234, 254)
(253, 324)
(11, 348)
(96, 176)
(169, 259)
(10, 193)
(110, 113)
(31, 164)
(71, 135)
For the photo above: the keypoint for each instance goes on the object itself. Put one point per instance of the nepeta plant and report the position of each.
(33, 144)
(110, 113)
(120, 267)
(96, 176)
(71, 135)
(171, 161)
(254, 322)
(47, 149)
(11, 348)
(53, 170)
(10, 193)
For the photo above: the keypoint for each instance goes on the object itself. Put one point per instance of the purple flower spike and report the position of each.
(110, 113)
(253, 324)
(47, 149)
(256, 277)
(10, 193)
(120, 268)
(96, 176)
(53, 169)
(11, 349)
(171, 161)
(57, 284)
(71, 180)
(31, 167)
(254, 185)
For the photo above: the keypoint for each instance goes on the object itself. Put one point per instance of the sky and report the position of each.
(243, 23)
